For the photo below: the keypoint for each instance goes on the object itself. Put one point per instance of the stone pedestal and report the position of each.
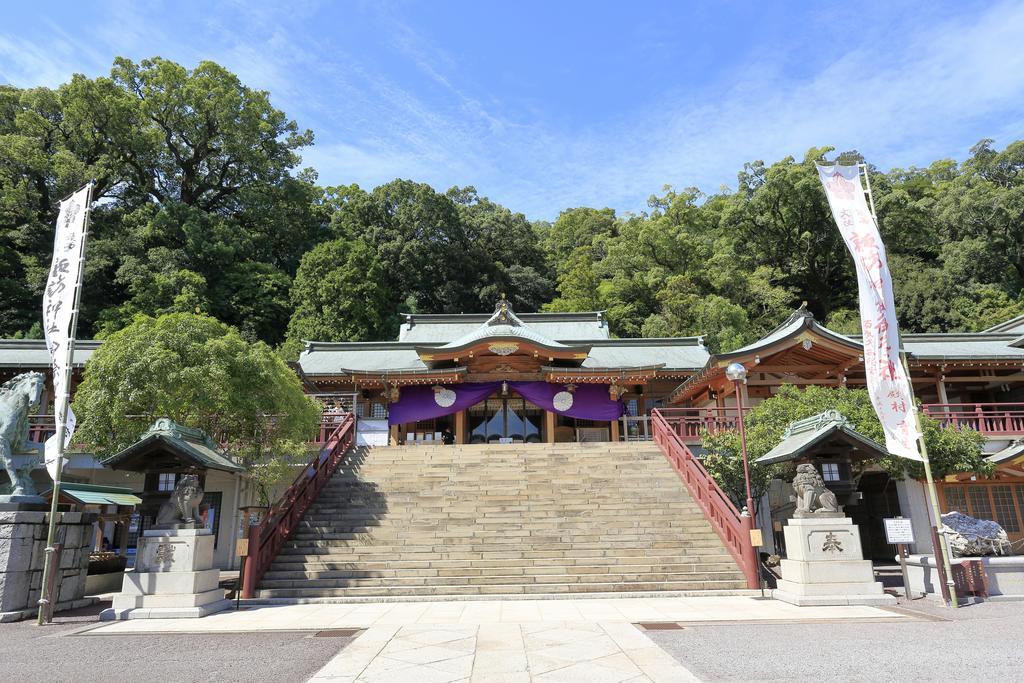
(825, 565)
(173, 578)
(23, 554)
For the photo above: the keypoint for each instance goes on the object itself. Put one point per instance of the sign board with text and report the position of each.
(898, 530)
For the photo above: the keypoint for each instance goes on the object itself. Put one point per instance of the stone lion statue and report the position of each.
(811, 494)
(182, 510)
(19, 396)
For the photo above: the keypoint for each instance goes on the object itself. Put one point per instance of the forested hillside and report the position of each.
(204, 206)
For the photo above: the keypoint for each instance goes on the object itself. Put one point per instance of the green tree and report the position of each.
(508, 249)
(338, 295)
(200, 373)
(196, 180)
(950, 450)
(428, 258)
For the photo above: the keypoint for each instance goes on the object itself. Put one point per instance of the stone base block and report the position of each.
(836, 571)
(882, 600)
(167, 600)
(837, 588)
(822, 538)
(114, 614)
(150, 583)
(175, 550)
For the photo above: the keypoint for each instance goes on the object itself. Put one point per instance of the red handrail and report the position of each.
(690, 424)
(267, 538)
(992, 419)
(732, 528)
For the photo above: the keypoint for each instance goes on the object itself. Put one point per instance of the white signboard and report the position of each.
(887, 382)
(898, 530)
(58, 308)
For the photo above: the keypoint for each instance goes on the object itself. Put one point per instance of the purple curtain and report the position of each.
(423, 403)
(586, 402)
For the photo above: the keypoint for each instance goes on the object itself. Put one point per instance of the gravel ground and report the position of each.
(30, 653)
(973, 643)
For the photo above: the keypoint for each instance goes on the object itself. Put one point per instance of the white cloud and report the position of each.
(420, 117)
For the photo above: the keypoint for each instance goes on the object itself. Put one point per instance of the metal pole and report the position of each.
(944, 565)
(743, 450)
(46, 599)
(748, 516)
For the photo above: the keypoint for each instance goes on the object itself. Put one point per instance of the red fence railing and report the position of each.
(990, 419)
(689, 423)
(732, 528)
(267, 538)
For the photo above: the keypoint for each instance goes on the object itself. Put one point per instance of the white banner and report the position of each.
(887, 381)
(58, 305)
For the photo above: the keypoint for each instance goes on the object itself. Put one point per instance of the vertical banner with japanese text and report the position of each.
(887, 381)
(59, 301)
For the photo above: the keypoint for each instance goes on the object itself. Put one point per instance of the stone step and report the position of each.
(504, 589)
(491, 520)
(497, 579)
(590, 569)
(318, 563)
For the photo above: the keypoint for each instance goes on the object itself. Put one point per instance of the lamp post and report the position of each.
(738, 374)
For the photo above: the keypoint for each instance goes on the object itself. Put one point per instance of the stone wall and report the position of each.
(23, 552)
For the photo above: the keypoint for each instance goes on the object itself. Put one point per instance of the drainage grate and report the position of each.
(337, 633)
(660, 626)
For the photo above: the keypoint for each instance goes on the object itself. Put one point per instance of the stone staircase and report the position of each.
(501, 520)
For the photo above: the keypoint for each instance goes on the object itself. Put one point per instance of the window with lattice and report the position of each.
(956, 501)
(981, 506)
(1006, 512)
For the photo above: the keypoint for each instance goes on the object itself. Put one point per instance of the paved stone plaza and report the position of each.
(515, 640)
(722, 638)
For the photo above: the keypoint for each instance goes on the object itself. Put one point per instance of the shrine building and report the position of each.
(499, 378)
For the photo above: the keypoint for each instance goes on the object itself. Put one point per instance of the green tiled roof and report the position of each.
(32, 353)
(442, 328)
(503, 324)
(94, 494)
(803, 435)
(192, 445)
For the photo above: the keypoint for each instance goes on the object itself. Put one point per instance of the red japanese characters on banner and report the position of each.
(886, 379)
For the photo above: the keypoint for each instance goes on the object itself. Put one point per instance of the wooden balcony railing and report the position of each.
(725, 519)
(990, 419)
(689, 423)
(267, 538)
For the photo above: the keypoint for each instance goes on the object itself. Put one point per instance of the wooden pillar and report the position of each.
(614, 424)
(460, 427)
(549, 426)
(393, 440)
(123, 546)
(744, 395)
(940, 385)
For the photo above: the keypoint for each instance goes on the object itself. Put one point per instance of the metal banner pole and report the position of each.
(47, 600)
(942, 560)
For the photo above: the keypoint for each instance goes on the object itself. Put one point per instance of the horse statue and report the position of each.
(18, 397)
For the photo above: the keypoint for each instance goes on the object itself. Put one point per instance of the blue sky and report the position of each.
(548, 105)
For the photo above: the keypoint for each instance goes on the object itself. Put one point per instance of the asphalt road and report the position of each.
(53, 653)
(979, 642)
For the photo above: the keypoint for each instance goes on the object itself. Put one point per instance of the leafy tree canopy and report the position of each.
(200, 373)
(203, 207)
(339, 294)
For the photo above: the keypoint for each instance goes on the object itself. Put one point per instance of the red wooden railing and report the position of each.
(689, 423)
(329, 421)
(732, 528)
(990, 419)
(267, 538)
